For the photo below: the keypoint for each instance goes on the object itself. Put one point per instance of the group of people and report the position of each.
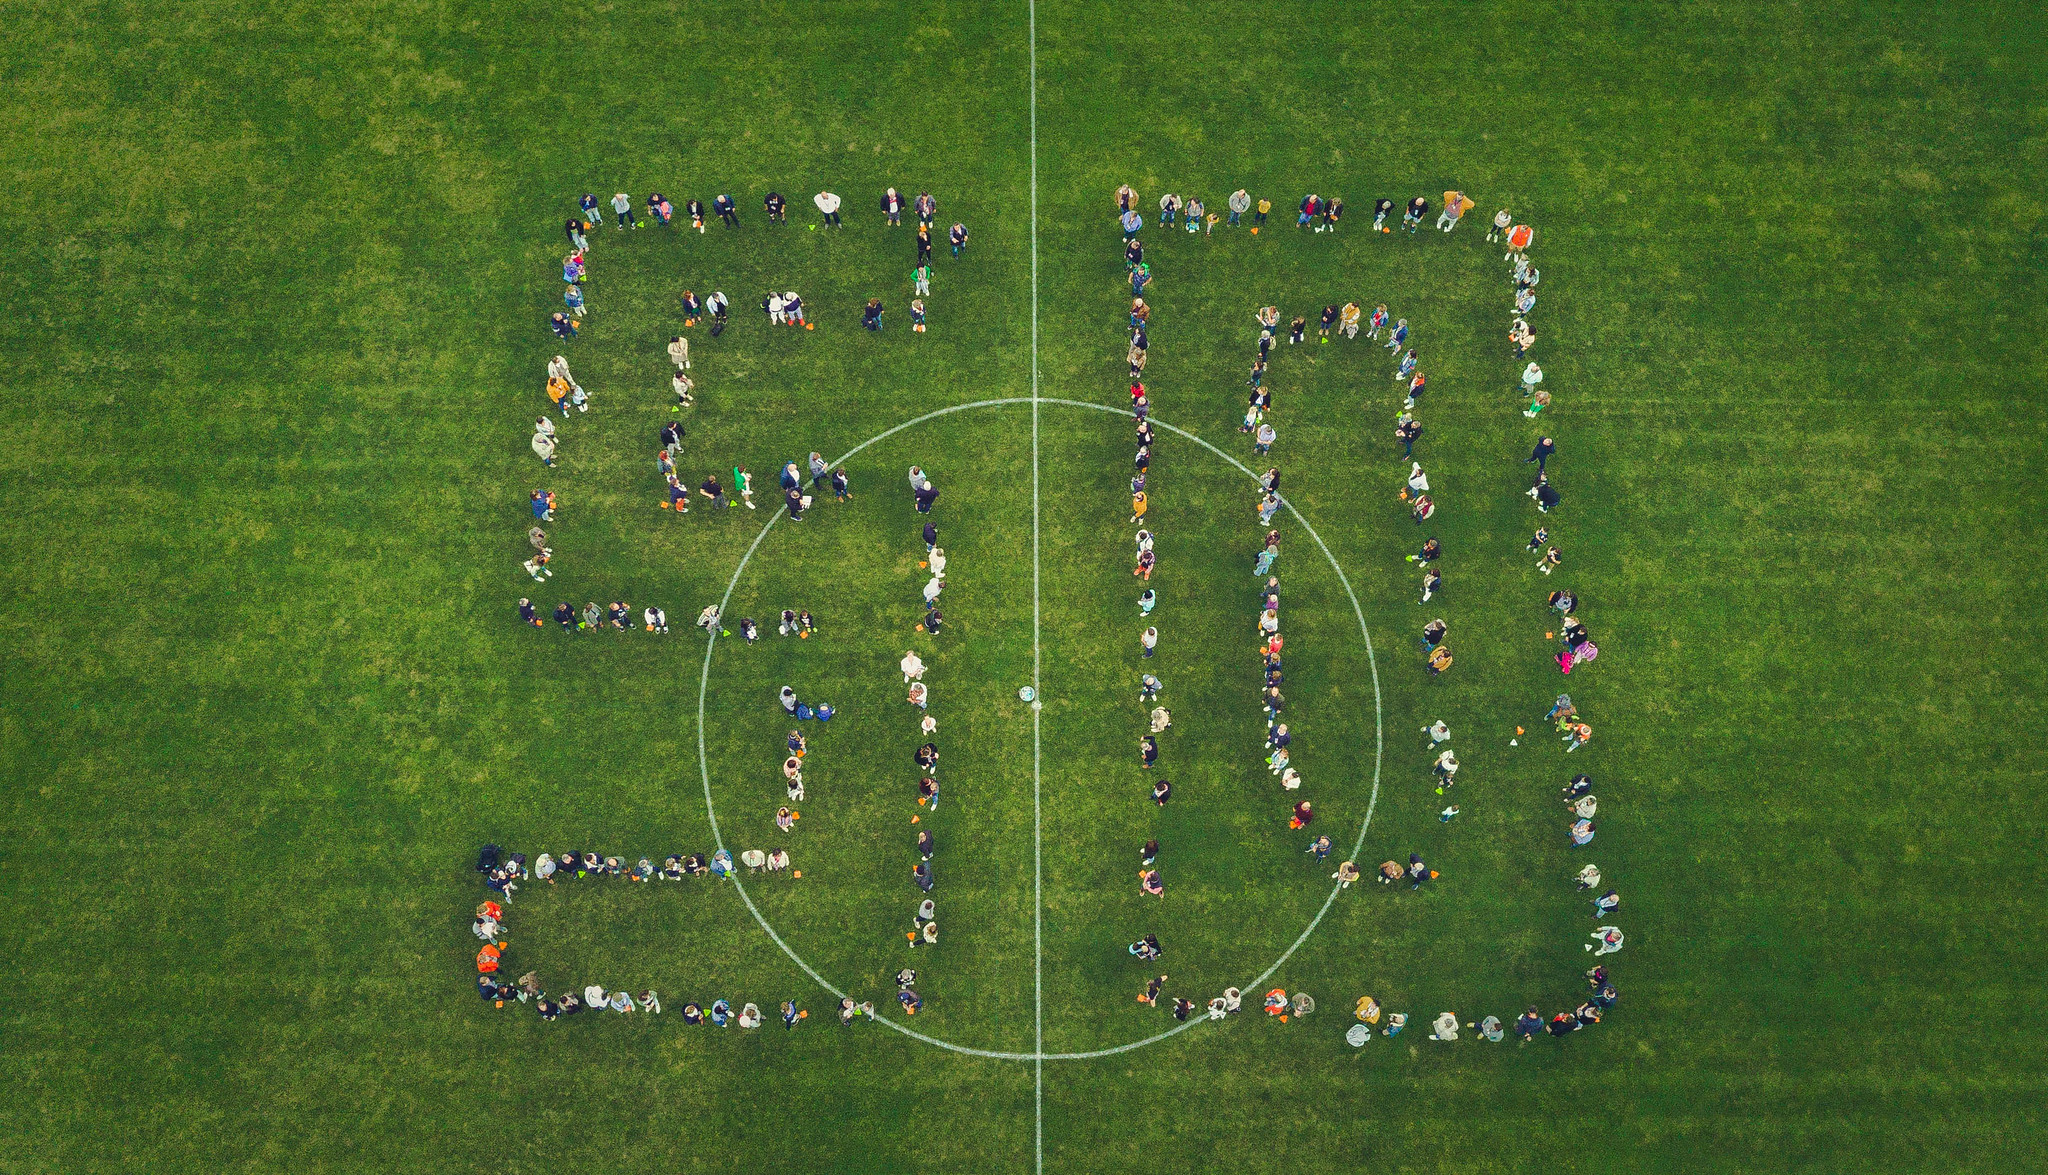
(924, 922)
(504, 873)
(1575, 645)
(1314, 212)
(1600, 997)
(780, 307)
(1575, 648)
(1159, 721)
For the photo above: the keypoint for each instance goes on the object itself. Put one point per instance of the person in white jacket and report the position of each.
(1609, 940)
(828, 204)
(1445, 1027)
(912, 666)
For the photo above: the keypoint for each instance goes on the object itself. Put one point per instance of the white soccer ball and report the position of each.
(1027, 694)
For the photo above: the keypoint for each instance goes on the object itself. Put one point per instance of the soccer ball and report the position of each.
(1027, 694)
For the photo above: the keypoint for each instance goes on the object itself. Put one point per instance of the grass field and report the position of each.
(280, 340)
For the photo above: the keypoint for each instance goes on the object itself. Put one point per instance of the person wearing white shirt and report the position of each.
(829, 205)
(1589, 877)
(1445, 1027)
(1531, 376)
(1438, 732)
(912, 666)
(1609, 939)
(1447, 766)
(774, 307)
(656, 620)
(1585, 806)
(938, 561)
(932, 590)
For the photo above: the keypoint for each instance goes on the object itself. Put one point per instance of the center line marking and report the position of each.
(1037, 690)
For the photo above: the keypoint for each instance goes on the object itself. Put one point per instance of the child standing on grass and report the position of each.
(917, 315)
(1259, 218)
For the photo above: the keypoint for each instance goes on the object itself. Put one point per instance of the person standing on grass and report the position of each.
(1148, 642)
(1532, 375)
(921, 281)
(926, 207)
(1541, 454)
(1501, 221)
(1378, 322)
(1131, 222)
(1453, 211)
(1399, 337)
(1240, 202)
(840, 490)
(727, 210)
(892, 207)
(589, 205)
(776, 206)
(871, 315)
(957, 235)
(828, 204)
(563, 326)
(1608, 938)
(1408, 431)
(1347, 320)
(1266, 436)
(622, 205)
(660, 209)
(1412, 219)
(1407, 365)
(794, 499)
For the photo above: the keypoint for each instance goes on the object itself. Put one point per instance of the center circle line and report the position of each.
(1379, 738)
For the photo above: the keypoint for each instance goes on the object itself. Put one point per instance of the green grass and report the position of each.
(278, 338)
